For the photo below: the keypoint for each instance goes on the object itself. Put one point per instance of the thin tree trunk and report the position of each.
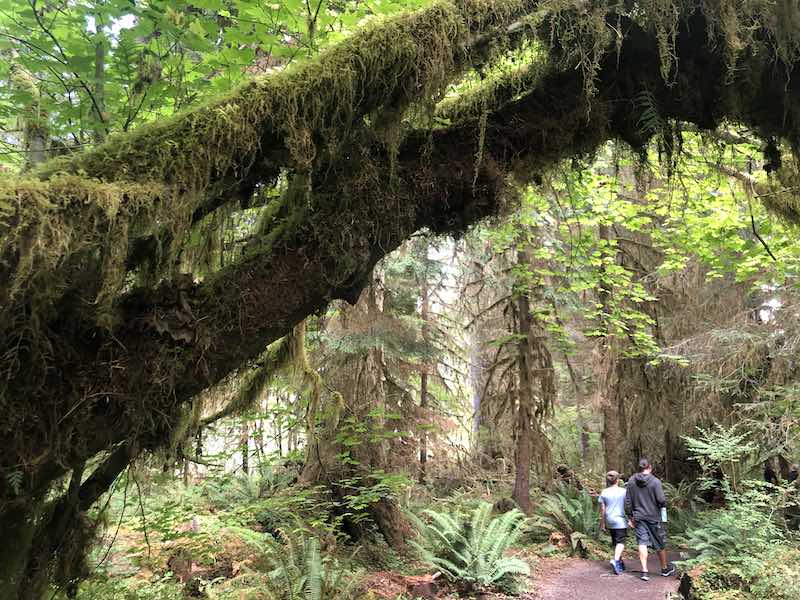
(424, 369)
(33, 121)
(278, 424)
(580, 401)
(607, 370)
(99, 104)
(525, 403)
(362, 397)
(244, 444)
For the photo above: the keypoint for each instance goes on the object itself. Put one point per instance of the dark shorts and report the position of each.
(618, 536)
(651, 533)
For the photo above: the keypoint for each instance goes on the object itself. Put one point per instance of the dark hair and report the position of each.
(644, 463)
(612, 477)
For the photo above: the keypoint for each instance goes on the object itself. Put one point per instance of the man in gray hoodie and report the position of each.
(644, 501)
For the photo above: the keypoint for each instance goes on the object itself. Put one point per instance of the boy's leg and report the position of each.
(618, 549)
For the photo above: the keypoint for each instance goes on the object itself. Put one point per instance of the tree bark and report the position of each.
(36, 549)
(525, 403)
(99, 128)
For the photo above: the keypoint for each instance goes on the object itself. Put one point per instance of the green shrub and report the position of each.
(771, 575)
(470, 549)
(740, 528)
(745, 546)
(570, 512)
(300, 573)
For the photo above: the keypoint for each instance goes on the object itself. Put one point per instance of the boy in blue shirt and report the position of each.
(613, 519)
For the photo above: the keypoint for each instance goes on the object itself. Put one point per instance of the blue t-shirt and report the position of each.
(613, 498)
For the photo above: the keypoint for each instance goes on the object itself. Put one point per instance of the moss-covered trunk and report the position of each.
(536, 385)
(524, 426)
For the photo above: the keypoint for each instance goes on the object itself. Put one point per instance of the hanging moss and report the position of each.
(47, 226)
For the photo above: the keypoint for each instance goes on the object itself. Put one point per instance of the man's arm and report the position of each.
(661, 499)
(629, 508)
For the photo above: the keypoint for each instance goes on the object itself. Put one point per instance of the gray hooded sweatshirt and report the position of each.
(644, 498)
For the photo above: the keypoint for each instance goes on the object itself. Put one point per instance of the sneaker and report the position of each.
(644, 576)
(621, 564)
(670, 570)
(615, 567)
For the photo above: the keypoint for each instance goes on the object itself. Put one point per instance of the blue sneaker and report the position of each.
(622, 564)
(615, 566)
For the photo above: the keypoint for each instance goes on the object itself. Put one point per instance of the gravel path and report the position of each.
(576, 579)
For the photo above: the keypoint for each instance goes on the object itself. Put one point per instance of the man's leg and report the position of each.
(643, 557)
(662, 558)
(659, 535)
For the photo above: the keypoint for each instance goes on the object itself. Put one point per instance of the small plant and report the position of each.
(684, 504)
(721, 449)
(569, 512)
(470, 549)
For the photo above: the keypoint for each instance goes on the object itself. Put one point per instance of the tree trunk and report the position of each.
(18, 525)
(278, 425)
(606, 366)
(44, 541)
(534, 364)
(525, 402)
(580, 420)
(33, 121)
(360, 397)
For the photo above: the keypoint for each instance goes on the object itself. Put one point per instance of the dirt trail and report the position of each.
(576, 579)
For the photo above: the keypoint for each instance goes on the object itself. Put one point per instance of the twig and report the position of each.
(119, 523)
(141, 510)
(755, 231)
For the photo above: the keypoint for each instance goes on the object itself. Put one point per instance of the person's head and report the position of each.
(612, 478)
(645, 466)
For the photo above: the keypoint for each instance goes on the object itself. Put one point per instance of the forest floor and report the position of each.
(552, 579)
(577, 579)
